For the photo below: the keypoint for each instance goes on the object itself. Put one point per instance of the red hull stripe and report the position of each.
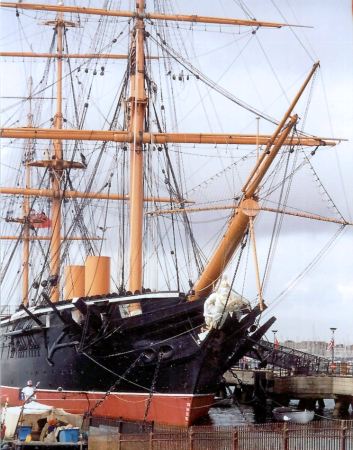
(169, 409)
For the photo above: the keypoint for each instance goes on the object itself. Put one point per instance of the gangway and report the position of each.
(296, 361)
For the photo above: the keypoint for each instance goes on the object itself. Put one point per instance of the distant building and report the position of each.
(320, 348)
(343, 352)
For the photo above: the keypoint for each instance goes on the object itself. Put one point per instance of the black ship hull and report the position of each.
(160, 365)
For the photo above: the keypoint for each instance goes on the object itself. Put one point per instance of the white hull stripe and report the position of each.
(128, 299)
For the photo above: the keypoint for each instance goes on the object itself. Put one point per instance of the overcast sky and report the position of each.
(324, 296)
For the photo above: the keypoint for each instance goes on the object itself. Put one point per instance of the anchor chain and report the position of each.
(153, 385)
(237, 378)
(115, 385)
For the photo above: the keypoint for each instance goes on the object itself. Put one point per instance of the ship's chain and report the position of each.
(153, 385)
(114, 386)
(235, 400)
(241, 384)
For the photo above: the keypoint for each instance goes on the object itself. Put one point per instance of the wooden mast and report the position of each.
(136, 136)
(137, 103)
(240, 220)
(231, 239)
(25, 219)
(26, 239)
(25, 207)
(56, 174)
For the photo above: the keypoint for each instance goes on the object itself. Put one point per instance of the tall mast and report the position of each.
(57, 155)
(25, 206)
(138, 102)
(137, 136)
(240, 220)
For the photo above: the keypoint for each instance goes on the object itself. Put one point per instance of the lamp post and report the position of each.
(274, 349)
(332, 344)
(274, 337)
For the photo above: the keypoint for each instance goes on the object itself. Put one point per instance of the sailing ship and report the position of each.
(132, 351)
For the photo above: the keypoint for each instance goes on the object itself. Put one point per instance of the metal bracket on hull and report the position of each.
(47, 300)
(56, 346)
(32, 316)
(248, 342)
(90, 312)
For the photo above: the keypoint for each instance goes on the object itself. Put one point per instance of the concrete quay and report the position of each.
(319, 386)
(315, 388)
(308, 389)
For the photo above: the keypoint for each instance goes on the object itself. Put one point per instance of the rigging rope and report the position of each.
(213, 85)
(293, 31)
(279, 218)
(188, 228)
(307, 269)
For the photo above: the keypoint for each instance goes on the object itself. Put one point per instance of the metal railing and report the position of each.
(325, 435)
(295, 362)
